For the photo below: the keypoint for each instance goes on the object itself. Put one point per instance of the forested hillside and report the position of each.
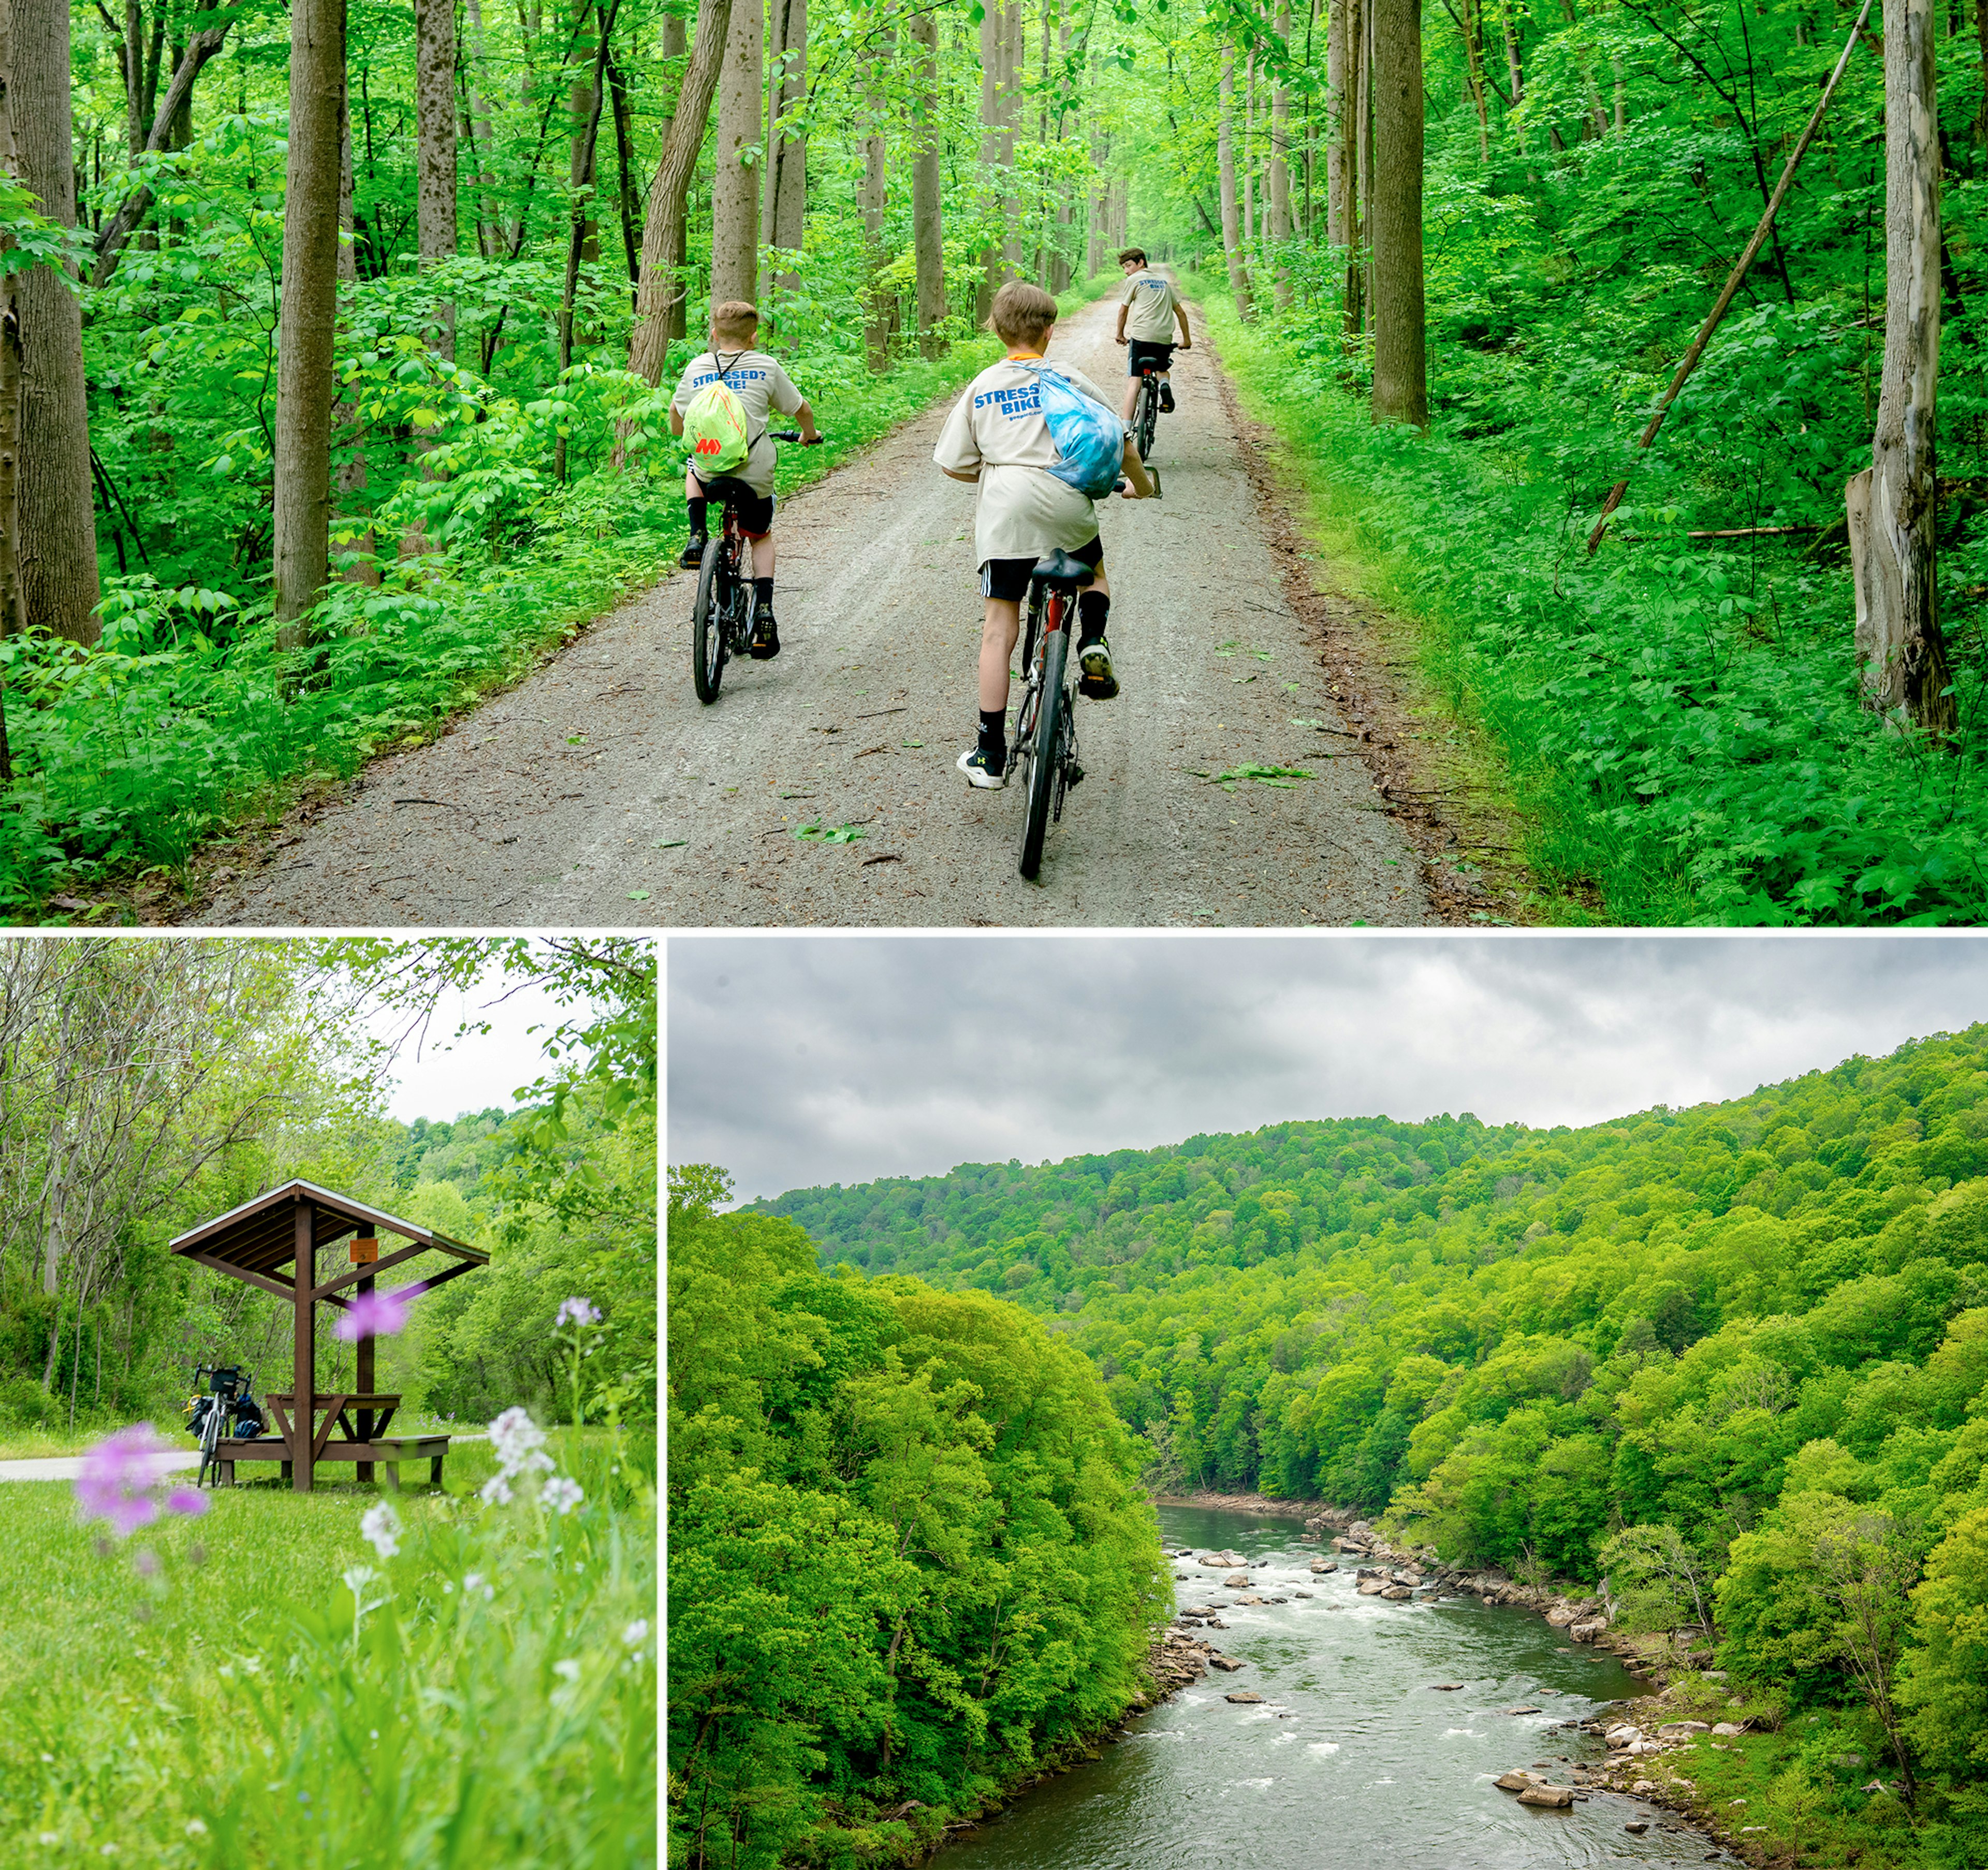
(1762, 1325)
(909, 1565)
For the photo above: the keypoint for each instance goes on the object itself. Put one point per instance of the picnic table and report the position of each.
(361, 1416)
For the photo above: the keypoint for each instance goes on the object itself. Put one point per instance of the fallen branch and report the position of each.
(1739, 273)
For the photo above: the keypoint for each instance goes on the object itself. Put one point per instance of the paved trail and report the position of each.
(600, 792)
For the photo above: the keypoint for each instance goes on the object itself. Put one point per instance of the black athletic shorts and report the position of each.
(1009, 578)
(755, 510)
(1138, 350)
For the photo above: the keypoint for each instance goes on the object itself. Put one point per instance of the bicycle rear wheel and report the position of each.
(1148, 416)
(708, 623)
(1046, 762)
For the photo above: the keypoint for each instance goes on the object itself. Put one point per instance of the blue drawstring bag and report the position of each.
(1089, 440)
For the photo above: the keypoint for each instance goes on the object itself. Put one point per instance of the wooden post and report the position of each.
(361, 1378)
(303, 1365)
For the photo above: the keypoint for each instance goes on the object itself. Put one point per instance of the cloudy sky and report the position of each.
(440, 1077)
(799, 1061)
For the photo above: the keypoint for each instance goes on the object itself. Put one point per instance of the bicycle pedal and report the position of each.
(1073, 774)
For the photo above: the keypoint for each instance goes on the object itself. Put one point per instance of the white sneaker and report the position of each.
(981, 770)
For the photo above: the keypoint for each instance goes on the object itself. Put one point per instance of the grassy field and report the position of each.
(203, 1694)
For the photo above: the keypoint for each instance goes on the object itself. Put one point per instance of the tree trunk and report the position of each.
(928, 230)
(583, 109)
(351, 471)
(1232, 240)
(1352, 159)
(435, 143)
(13, 599)
(997, 147)
(872, 198)
(1338, 115)
(1469, 26)
(308, 313)
(576, 234)
(1401, 361)
(735, 187)
(58, 516)
(786, 166)
(1249, 154)
(1280, 172)
(492, 237)
(659, 294)
(1900, 653)
(676, 45)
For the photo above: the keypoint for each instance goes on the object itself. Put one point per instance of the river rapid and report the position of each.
(1352, 1758)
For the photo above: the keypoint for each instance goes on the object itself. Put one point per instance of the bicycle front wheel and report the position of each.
(707, 622)
(1046, 764)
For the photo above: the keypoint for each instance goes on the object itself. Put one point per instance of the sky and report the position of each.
(442, 1079)
(796, 1061)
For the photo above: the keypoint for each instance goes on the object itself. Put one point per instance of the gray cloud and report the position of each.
(795, 1060)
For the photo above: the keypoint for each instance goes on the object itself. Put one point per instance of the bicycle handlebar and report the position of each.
(794, 435)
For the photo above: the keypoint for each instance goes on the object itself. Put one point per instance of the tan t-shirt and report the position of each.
(1152, 298)
(759, 383)
(998, 427)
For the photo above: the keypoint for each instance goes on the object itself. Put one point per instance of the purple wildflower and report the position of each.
(145, 1562)
(373, 1314)
(118, 1478)
(188, 1501)
(578, 1311)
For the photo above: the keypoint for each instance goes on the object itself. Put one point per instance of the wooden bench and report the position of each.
(383, 1451)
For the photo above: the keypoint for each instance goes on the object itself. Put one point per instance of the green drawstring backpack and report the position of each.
(715, 426)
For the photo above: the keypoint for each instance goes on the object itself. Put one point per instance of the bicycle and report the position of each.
(229, 1407)
(721, 622)
(1045, 756)
(1146, 408)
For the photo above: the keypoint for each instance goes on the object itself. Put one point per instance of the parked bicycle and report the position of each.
(722, 623)
(226, 1410)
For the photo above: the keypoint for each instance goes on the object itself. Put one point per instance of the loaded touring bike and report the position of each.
(721, 622)
(226, 1410)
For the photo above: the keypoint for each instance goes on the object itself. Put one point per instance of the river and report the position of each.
(1352, 1759)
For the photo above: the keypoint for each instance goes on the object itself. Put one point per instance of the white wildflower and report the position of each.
(356, 1578)
(195, 1828)
(561, 1494)
(381, 1529)
(515, 1438)
(567, 1670)
(51, 1837)
(496, 1491)
(578, 1311)
(636, 1632)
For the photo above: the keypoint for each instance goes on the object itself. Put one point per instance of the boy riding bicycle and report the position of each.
(997, 436)
(760, 384)
(1147, 309)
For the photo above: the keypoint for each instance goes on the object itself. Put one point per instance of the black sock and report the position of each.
(1092, 609)
(763, 592)
(994, 730)
(696, 514)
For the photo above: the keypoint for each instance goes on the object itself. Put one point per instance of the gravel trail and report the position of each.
(599, 791)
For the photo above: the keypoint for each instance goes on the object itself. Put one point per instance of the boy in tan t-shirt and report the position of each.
(1148, 308)
(997, 436)
(762, 385)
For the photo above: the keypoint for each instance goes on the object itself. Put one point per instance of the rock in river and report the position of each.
(1554, 1798)
(1244, 1694)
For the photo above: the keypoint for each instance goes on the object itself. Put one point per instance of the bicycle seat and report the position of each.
(1059, 567)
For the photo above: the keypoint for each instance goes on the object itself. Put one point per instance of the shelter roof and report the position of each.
(260, 1235)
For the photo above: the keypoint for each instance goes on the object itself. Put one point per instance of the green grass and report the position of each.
(225, 1713)
(1678, 726)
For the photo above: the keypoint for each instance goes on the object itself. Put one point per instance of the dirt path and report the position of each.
(600, 792)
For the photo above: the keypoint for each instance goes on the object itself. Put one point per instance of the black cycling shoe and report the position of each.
(1166, 399)
(766, 643)
(693, 551)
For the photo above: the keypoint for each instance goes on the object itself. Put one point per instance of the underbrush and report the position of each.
(261, 1685)
(187, 719)
(1679, 719)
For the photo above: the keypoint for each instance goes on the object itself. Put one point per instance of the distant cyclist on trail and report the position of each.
(1147, 309)
(997, 436)
(760, 384)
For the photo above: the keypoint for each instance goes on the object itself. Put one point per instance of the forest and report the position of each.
(145, 1087)
(910, 1564)
(1726, 1365)
(1633, 348)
